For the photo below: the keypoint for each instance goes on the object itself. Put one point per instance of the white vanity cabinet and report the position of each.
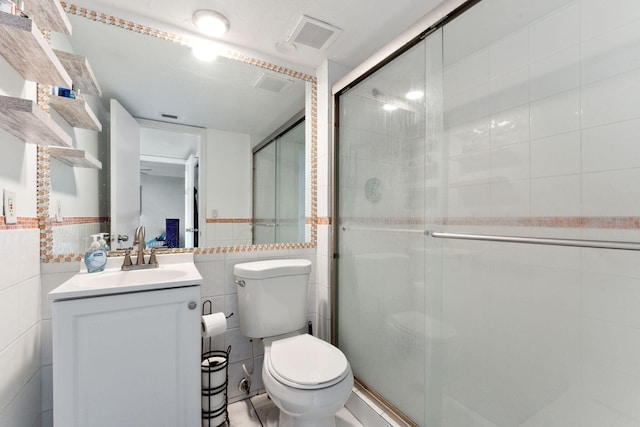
(128, 360)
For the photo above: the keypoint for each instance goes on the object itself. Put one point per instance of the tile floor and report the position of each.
(259, 411)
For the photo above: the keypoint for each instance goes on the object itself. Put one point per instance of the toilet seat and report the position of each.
(306, 362)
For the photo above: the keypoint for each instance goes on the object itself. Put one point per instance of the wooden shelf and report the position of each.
(76, 112)
(22, 45)
(48, 15)
(80, 71)
(74, 157)
(24, 119)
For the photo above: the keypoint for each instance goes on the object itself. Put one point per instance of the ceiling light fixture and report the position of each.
(210, 22)
(204, 50)
(414, 94)
(389, 107)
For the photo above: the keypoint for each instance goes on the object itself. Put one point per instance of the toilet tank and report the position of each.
(272, 296)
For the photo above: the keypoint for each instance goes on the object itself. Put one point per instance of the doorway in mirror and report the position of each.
(156, 181)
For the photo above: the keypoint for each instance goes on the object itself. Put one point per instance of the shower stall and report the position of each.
(487, 218)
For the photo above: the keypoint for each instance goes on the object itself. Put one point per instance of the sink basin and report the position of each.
(125, 278)
(176, 270)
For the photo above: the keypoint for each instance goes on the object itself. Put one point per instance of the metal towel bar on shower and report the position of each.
(598, 244)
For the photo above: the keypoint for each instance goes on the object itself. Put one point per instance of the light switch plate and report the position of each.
(10, 216)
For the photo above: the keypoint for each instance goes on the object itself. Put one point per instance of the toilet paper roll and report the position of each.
(213, 403)
(213, 324)
(214, 421)
(214, 372)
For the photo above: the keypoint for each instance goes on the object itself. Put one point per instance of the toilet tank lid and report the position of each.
(272, 268)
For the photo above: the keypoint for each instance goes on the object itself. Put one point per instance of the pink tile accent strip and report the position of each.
(229, 221)
(613, 222)
(24, 223)
(75, 220)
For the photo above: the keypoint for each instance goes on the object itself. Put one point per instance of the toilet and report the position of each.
(308, 379)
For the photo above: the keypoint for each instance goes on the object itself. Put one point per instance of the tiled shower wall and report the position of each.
(541, 103)
(541, 128)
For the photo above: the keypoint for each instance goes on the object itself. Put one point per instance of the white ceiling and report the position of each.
(259, 24)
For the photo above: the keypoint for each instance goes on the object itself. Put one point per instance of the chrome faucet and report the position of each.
(139, 240)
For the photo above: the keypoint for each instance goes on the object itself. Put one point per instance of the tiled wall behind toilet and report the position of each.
(20, 382)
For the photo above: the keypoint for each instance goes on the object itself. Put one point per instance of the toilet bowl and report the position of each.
(308, 379)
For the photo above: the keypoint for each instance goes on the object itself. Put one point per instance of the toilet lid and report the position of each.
(306, 362)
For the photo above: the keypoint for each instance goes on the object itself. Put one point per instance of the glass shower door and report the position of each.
(279, 188)
(290, 165)
(388, 273)
(264, 195)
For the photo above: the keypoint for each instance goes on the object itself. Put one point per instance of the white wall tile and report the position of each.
(612, 298)
(212, 273)
(556, 196)
(611, 100)
(611, 147)
(511, 162)
(19, 363)
(509, 54)
(24, 410)
(554, 32)
(556, 73)
(47, 342)
(29, 305)
(597, 17)
(470, 72)
(610, 53)
(510, 198)
(240, 345)
(9, 315)
(556, 155)
(555, 115)
(47, 387)
(611, 193)
(510, 126)
(510, 89)
(613, 389)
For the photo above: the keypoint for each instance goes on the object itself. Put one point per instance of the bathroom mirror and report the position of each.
(238, 98)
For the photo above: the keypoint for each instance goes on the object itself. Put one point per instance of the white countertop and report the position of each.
(175, 270)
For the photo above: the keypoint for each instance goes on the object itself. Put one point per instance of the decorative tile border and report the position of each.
(24, 223)
(323, 221)
(75, 220)
(175, 38)
(229, 220)
(45, 225)
(43, 185)
(609, 222)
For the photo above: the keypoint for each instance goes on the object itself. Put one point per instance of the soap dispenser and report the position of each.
(103, 242)
(95, 258)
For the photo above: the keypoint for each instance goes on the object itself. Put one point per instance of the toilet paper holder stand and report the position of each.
(215, 379)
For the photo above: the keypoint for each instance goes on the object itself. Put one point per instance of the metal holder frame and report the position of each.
(213, 392)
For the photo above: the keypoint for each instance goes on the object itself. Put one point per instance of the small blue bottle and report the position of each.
(95, 258)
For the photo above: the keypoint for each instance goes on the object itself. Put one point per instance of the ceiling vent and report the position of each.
(314, 33)
(272, 83)
(169, 116)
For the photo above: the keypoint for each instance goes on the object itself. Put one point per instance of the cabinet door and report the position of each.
(130, 360)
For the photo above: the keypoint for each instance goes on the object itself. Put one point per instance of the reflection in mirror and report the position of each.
(170, 183)
(278, 187)
(235, 102)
